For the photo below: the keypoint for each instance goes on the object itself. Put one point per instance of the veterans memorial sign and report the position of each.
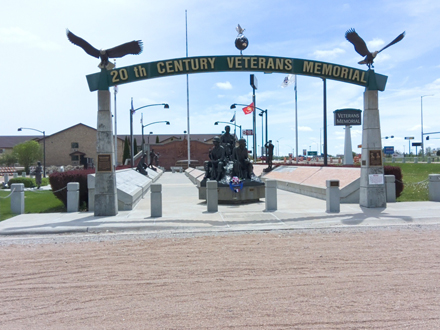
(347, 117)
(200, 64)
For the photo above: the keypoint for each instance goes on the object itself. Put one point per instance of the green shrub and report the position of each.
(28, 182)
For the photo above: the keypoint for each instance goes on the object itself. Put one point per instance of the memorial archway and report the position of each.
(372, 193)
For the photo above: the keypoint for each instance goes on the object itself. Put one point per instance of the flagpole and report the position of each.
(115, 90)
(187, 94)
(296, 119)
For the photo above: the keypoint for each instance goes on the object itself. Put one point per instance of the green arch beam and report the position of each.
(267, 64)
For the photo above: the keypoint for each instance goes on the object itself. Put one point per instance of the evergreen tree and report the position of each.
(126, 153)
(157, 139)
(135, 146)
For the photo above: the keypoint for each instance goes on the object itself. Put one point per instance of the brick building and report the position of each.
(76, 145)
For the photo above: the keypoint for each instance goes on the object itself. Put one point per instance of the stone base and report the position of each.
(252, 192)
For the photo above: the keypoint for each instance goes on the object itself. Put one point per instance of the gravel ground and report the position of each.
(375, 278)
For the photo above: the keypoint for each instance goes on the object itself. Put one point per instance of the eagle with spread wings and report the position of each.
(133, 47)
(361, 47)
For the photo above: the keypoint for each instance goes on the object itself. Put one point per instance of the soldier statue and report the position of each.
(243, 167)
(269, 148)
(214, 168)
(228, 142)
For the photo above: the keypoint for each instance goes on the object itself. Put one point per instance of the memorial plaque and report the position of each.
(375, 157)
(105, 163)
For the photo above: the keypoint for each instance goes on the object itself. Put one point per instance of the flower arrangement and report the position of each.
(235, 184)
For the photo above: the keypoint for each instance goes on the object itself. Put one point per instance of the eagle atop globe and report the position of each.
(241, 42)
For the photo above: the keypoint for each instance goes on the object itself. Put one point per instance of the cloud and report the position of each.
(224, 85)
(328, 54)
(304, 129)
(15, 35)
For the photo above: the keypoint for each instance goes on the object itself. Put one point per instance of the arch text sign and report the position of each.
(268, 64)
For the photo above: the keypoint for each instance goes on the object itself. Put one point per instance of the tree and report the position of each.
(157, 138)
(438, 152)
(27, 153)
(126, 152)
(8, 159)
(135, 148)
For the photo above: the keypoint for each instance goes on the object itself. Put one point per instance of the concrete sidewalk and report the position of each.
(184, 212)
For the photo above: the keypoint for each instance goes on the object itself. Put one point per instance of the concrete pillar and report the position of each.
(6, 178)
(23, 174)
(17, 198)
(403, 160)
(372, 187)
(73, 197)
(211, 196)
(156, 200)
(271, 195)
(390, 188)
(393, 160)
(106, 198)
(333, 196)
(434, 187)
(15, 175)
(348, 150)
(416, 160)
(429, 160)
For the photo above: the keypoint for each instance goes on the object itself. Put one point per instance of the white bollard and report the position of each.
(429, 160)
(333, 196)
(6, 179)
(15, 175)
(390, 188)
(23, 174)
(211, 196)
(156, 200)
(434, 187)
(403, 160)
(17, 198)
(416, 160)
(271, 195)
(73, 197)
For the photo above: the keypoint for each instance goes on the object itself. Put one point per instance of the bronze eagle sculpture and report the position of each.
(361, 47)
(133, 47)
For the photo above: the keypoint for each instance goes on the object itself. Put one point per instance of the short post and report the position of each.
(156, 200)
(333, 196)
(416, 160)
(73, 197)
(173, 169)
(429, 160)
(23, 174)
(15, 175)
(6, 179)
(212, 196)
(271, 195)
(17, 198)
(403, 160)
(434, 187)
(390, 188)
(393, 160)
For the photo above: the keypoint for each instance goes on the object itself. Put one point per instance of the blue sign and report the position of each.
(388, 150)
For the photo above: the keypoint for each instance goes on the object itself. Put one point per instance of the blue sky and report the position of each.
(44, 86)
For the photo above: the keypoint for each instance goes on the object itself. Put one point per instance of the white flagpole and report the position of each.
(187, 94)
(296, 119)
(115, 90)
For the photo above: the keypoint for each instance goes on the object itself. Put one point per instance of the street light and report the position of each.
(224, 122)
(421, 120)
(233, 106)
(143, 143)
(44, 146)
(142, 125)
(132, 111)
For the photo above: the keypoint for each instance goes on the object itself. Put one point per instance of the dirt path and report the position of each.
(375, 279)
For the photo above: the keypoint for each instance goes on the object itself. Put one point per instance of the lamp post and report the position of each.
(224, 122)
(233, 106)
(132, 111)
(143, 144)
(421, 120)
(44, 146)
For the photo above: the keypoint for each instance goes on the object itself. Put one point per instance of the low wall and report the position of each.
(131, 187)
(311, 180)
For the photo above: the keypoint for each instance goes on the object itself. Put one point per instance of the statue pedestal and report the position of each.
(251, 192)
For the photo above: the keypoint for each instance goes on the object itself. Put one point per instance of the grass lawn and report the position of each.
(415, 180)
(35, 202)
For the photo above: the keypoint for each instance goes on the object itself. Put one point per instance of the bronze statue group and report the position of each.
(226, 152)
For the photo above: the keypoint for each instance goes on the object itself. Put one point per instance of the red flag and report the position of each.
(249, 109)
